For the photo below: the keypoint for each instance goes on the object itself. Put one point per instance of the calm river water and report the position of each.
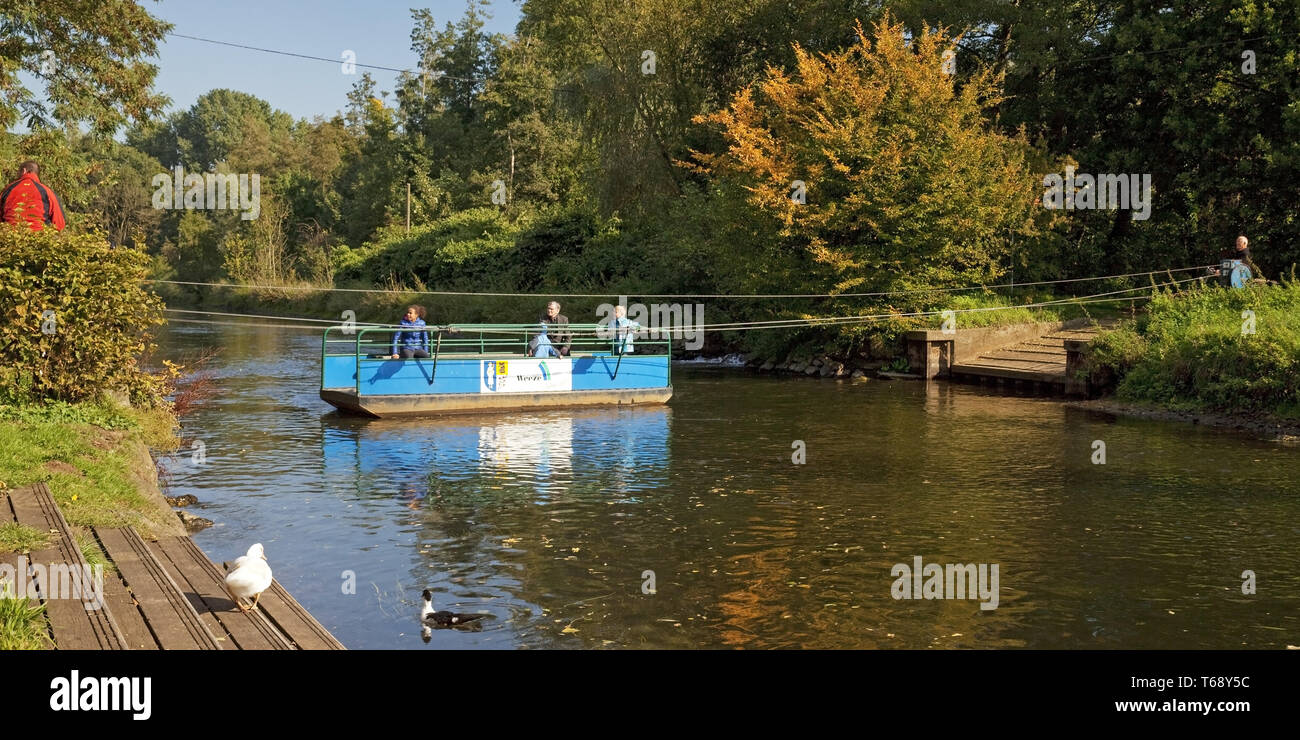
(556, 523)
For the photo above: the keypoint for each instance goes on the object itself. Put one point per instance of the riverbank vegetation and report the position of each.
(1208, 348)
(78, 407)
(885, 156)
(95, 458)
(22, 622)
(640, 150)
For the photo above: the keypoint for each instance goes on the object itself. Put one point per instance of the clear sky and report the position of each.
(378, 31)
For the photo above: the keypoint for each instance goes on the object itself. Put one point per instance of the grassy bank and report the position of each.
(93, 457)
(95, 460)
(21, 621)
(1208, 349)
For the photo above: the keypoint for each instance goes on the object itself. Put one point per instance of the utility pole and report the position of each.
(408, 206)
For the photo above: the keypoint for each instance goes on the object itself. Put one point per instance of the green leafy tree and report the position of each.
(903, 181)
(88, 55)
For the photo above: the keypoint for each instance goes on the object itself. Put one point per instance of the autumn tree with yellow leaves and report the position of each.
(904, 181)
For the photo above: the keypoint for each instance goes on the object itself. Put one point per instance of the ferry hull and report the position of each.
(387, 406)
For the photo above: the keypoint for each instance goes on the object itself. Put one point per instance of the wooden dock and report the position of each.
(1039, 361)
(1038, 356)
(157, 595)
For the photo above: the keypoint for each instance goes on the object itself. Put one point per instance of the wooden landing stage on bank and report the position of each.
(157, 595)
(1041, 357)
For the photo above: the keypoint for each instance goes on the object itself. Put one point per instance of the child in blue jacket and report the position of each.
(412, 342)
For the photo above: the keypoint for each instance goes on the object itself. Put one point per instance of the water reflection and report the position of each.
(549, 520)
(536, 458)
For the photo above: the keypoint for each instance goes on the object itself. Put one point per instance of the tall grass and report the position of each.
(22, 623)
(1210, 348)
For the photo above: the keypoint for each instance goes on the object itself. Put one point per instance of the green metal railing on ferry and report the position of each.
(491, 340)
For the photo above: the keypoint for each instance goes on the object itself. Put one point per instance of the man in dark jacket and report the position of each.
(1242, 252)
(27, 201)
(560, 340)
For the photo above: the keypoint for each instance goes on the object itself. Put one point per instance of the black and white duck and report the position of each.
(443, 619)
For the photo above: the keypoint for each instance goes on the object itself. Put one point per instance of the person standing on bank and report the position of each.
(561, 339)
(1242, 252)
(28, 201)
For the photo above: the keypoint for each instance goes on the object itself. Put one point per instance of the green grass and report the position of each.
(970, 311)
(87, 456)
(100, 415)
(22, 623)
(94, 555)
(15, 537)
(1194, 351)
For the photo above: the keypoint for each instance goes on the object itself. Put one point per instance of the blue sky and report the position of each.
(378, 31)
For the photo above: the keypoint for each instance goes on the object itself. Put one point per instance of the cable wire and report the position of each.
(793, 323)
(480, 294)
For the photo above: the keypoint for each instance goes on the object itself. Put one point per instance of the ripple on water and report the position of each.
(558, 523)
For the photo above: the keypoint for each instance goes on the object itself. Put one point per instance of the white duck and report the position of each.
(249, 576)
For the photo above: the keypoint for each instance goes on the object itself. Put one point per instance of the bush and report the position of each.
(1195, 350)
(75, 318)
(1112, 355)
(468, 251)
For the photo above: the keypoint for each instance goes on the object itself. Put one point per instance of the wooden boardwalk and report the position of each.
(72, 624)
(159, 595)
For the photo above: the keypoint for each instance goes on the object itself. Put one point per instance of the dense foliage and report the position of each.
(650, 147)
(74, 318)
(1210, 348)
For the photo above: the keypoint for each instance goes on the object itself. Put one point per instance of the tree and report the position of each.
(121, 194)
(876, 170)
(228, 126)
(87, 54)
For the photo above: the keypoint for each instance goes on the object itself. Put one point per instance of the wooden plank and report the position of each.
(1051, 358)
(247, 630)
(1018, 364)
(127, 613)
(1037, 349)
(293, 620)
(208, 617)
(71, 624)
(1041, 347)
(22, 581)
(170, 618)
(1079, 335)
(76, 623)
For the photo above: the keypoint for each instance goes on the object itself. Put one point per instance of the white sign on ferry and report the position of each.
(525, 375)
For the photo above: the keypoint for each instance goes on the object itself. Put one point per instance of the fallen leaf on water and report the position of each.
(568, 630)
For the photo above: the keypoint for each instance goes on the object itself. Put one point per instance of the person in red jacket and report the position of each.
(26, 200)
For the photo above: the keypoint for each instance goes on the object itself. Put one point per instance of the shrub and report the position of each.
(1195, 351)
(74, 318)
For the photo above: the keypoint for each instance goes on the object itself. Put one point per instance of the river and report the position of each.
(752, 511)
